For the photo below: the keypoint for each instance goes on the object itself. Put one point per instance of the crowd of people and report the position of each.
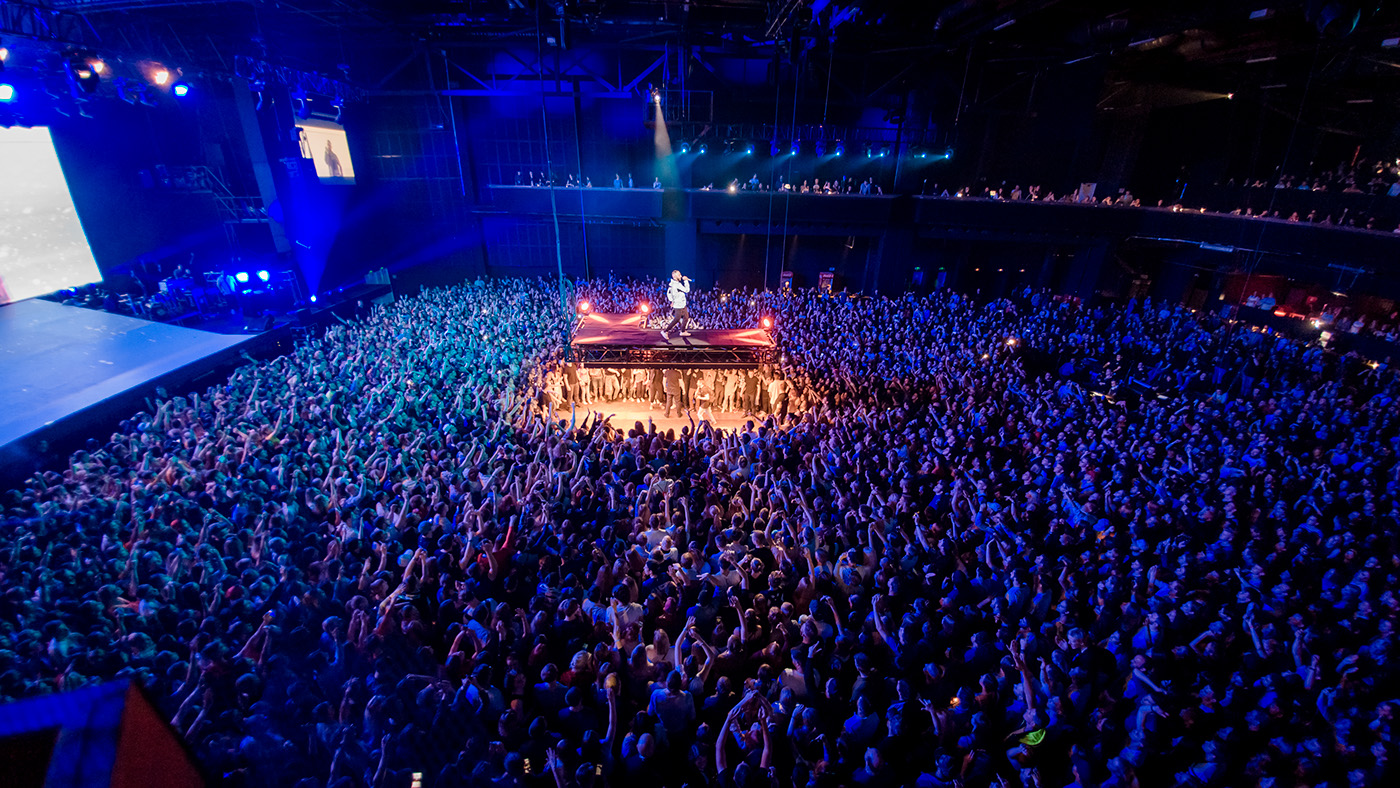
(843, 185)
(1031, 542)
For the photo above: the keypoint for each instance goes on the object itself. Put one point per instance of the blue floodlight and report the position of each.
(313, 299)
(181, 89)
(685, 147)
(7, 92)
(264, 275)
(749, 150)
(241, 276)
(702, 149)
(796, 147)
(840, 147)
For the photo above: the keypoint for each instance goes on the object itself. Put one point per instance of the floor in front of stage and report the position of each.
(57, 361)
(625, 414)
(605, 329)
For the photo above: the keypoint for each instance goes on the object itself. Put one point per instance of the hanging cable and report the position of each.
(772, 172)
(787, 201)
(1255, 255)
(553, 198)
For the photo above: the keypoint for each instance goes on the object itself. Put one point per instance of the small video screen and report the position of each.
(324, 143)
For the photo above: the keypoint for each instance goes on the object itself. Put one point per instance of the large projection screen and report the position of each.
(325, 144)
(42, 244)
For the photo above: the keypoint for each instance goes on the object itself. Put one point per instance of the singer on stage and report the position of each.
(675, 293)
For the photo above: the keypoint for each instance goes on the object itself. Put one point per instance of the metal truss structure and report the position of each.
(53, 26)
(258, 71)
(674, 356)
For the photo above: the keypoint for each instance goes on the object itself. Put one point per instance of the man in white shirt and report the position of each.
(675, 294)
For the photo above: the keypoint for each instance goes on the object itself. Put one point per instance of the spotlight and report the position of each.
(313, 299)
(644, 308)
(840, 147)
(160, 76)
(821, 148)
(98, 67)
(583, 307)
(181, 89)
(869, 152)
(264, 275)
(948, 154)
(748, 151)
(796, 147)
(7, 92)
(767, 322)
(883, 151)
(773, 149)
(4, 55)
(685, 147)
(702, 149)
(84, 72)
(241, 276)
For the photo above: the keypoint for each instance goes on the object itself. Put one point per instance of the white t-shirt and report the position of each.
(675, 293)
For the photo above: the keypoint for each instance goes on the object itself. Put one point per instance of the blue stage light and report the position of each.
(796, 147)
(181, 89)
(7, 92)
(773, 149)
(749, 150)
(821, 148)
(702, 149)
(241, 276)
(313, 299)
(264, 275)
(685, 147)
(840, 147)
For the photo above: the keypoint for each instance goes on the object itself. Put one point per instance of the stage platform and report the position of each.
(59, 364)
(606, 340)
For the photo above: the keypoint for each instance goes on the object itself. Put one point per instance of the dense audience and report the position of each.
(1029, 542)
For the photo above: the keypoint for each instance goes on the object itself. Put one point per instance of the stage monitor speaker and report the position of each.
(102, 735)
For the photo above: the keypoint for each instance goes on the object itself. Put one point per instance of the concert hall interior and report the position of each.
(723, 393)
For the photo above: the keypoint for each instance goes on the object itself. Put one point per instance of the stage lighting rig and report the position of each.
(840, 147)
(701, 149)
(85, 73)
(685, 147)
(796, 147)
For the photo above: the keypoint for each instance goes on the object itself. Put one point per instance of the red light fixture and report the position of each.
(583, 307)
(644, 308)
(767, 323)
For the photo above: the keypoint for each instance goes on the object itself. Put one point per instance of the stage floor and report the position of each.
(599, 329)
(56, 360)
(626, 414)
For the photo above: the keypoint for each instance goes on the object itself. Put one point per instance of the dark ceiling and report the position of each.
(1276, 50)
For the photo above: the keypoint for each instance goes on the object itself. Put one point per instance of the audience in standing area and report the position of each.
(1024, 542)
